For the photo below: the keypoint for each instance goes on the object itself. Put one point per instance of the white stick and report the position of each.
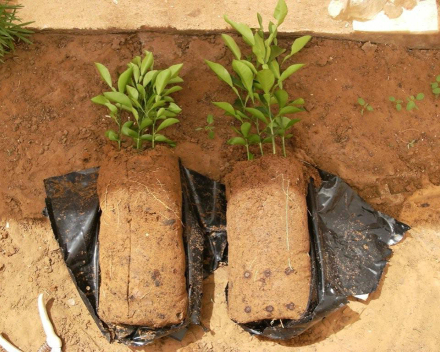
(52, 339)
(7, 346)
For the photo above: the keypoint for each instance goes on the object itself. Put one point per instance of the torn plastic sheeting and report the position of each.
(73, 208)
(349, 247)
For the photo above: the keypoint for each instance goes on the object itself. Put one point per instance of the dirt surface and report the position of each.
(141, 202)
(268, 240)
(50, 128)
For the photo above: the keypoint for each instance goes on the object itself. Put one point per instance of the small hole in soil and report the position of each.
(290, 306)
(269, 309)
(179, 315)
(247, 309)
(267, 272)
(247, 274)
(289, 271)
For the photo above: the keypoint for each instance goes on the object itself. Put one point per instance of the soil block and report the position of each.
(141, 251)
(268, 240)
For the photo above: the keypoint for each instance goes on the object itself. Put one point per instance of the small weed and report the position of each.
(411, 102)
(411, 143)
(11, 29)
(209, 128)
(435, 87)
(144, 93)
(365, 106)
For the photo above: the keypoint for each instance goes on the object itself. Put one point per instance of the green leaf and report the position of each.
(124, 78)
(260, 21)
(245, 74)
(420, 96)
(392, 99)
(259, 49)
(225, 106)
(243, 29)
(237, 141)
(147, 62)
(136, 73)
(434, 85)
(370, 108)
(150, 76)
(112, 135)
(162, 80)
(275, 68)
(232, 45)
(172, 90)
(100, 99)
(275, 51)
(257, 113)
(132, 92)
(162, 138)
(220, 71)
(438, 78)
(280, 11)
(299, 101)
(292, 122)
(175, 70)
(113, 109)
(411, 105)
(126, 130)
(398, 107)
(147, 137)
(297, 45)
(174, 108)
(135, 114)
(166, 123)
(436, 91)
(211, 134)
(210, 119)
(290, 70)
(254, 139)
(146, 122)
(289, 110)
(120, 98)
(105, 74)
(266, 79)
(245, 128)
(361, 101)
(250, 65)
(141, 90)
(281, 97)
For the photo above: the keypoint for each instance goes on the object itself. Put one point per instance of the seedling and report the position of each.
(144, 93)
(209, 128)
(257, 80)
(365, 106)
(435, 87)
(411, 102)
(11, 29)
(398, 103)
(411, 143)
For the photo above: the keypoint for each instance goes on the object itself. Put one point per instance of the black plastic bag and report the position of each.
(73, 208)
(349, 247)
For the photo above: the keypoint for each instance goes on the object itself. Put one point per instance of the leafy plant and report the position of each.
(11, 29)
(365, 106)
(209, 126)
(411, 102)
(435, 87)
(262, 105)
(143, 93)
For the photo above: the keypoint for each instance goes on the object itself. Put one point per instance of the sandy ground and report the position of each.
(50, 128)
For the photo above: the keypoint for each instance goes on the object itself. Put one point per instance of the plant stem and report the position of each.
(247, 151)
(284, 146)
(274, 150)
(257, 124)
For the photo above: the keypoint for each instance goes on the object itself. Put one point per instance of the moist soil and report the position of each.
(50, 127)
(268, 240)
(141, 202)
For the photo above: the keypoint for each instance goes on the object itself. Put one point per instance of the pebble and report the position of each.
(71, 302)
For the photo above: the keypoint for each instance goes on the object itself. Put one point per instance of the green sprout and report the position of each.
(411, 102)
(209, 128)
(435, 87)
(364, 105)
